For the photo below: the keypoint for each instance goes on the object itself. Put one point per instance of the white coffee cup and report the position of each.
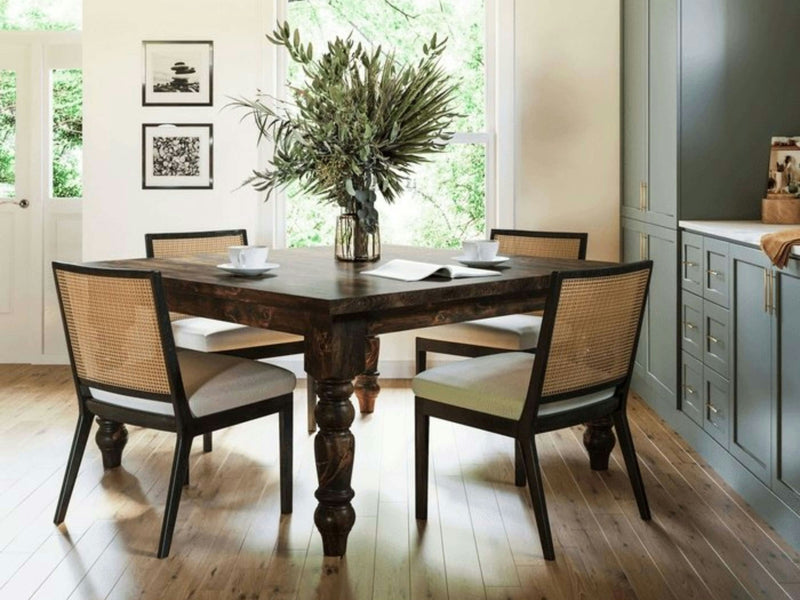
(479, 249)
(248, 257)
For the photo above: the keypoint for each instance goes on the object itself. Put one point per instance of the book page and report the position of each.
(412, 270)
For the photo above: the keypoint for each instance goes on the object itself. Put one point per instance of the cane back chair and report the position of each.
(211, 335)
(581, 371)
(508, 332)
(127, 369)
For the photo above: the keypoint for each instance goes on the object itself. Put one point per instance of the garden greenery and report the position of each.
(361, 123)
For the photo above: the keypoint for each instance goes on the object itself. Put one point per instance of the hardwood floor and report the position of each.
(480, 539)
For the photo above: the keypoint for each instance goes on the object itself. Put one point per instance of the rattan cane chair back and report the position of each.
(178, 245)
(544, 244)
(113, 329)
(589, 339)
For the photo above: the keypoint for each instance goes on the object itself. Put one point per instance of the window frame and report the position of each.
(497, 136)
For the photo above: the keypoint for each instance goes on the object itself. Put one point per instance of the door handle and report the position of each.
(21, 203)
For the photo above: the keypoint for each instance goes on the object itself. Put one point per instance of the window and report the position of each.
(445, 200)
(8, 132)
(67, 133)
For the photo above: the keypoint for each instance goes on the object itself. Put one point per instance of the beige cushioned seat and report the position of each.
(510, 332)
(214, 383)
(210, 335)
(496, 384)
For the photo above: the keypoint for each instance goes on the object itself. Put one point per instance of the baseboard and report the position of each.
(780, 516)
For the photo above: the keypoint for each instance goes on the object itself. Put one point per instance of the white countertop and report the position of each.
(744, 232)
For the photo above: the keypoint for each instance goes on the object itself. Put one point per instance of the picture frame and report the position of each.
(178, 73)
(784, 167)
(177, 156)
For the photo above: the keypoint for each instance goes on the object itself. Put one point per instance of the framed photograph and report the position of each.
(784, 167)
(177, 156)
(178, 73)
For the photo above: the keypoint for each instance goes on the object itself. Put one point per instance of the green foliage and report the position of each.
(8, 125)
(40, 15)
(361, 122)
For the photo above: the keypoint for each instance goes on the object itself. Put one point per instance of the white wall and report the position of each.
(568, 119)
(117, 211)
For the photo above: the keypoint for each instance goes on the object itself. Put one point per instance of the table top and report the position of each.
(312, 281)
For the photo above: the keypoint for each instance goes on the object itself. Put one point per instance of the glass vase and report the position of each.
(353, 242)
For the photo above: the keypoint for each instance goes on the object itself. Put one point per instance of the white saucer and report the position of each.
(481, 263)
(248, 271)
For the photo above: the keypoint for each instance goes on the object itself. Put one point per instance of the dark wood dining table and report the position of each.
(338, 309)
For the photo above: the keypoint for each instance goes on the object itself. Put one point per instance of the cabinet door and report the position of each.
(692, 262)
(634, 106)
(662, 344)
(716, 338)
(692, 397)
(662, 182)
(692, 324)
(786, 461)
(753, 362)
(717, 393)
(633, 237)
(716, 280)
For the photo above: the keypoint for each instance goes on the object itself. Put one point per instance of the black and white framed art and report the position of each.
(177, 156)
(178, 73)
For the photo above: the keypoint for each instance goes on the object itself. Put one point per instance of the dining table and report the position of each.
(339, 309)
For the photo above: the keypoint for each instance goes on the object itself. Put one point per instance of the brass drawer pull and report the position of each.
(712, 408)
(689, 389)
(689, 263)
(689, 325)
(714, 273)
(712, 339)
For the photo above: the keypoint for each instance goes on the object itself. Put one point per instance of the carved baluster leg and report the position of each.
(599, 440)
(367, 388)
(334, 356)
(111, 438)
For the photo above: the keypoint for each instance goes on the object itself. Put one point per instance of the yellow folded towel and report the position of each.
(778, 246)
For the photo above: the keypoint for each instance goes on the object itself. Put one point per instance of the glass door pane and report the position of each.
(66, 151)
(8, 132)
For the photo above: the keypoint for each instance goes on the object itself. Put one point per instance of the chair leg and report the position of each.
(422, 360)
(422, 425)
(207, 442)
(311, 401)
(285, 441)
(73, 464)
(180, 466)
(631, 463)
(536, 486)
(519, 466)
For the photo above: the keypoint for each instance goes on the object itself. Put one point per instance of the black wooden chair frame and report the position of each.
(524, 430)
(183, 423)
(424, 345)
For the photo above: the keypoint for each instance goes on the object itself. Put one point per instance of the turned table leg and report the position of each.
(599, 440)
(334, 448)
(367, 388)
(111, 438)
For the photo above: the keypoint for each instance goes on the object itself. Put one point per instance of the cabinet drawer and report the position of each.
(692, 262)
(692, 324)
(692, 401)
(716, 338)
(716, 280)
(717, 394)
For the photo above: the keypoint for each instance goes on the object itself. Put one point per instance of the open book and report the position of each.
(412, 270)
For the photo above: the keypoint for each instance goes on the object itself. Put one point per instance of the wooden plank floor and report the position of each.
(479, 542)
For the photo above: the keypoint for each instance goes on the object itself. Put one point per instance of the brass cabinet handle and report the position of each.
(713, 273)
(689, 263)
(641, 195)
(644, 195)
(712, 408)
(689, 325)
(712, 339)
(642, 246)
(771, 290)
(689, 389)
(766, 293)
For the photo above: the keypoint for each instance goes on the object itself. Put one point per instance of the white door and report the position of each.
(17, 337)
(38, 223)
